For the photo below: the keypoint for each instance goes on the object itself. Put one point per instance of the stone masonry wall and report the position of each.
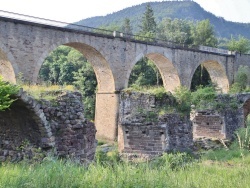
(208, 124)
(32, 127)
(74, 135)
(143, 131)
(222, 121)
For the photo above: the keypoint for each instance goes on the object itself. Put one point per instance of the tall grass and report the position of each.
(52, 173)
(46, 92)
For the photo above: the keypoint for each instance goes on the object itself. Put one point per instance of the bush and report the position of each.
(6, 90)
(204, 97)
(242, 80)
(183, 97)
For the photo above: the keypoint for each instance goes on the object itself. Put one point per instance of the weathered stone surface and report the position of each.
(142, 132)
(25, 128)
(223, 121)
(25, 45)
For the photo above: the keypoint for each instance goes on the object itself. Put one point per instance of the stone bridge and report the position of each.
(24, 45)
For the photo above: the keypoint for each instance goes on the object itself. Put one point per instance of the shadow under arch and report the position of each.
(166, 68)
(101, 67)
(8, 69)
(217, 74)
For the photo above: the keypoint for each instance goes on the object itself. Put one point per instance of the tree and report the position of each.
(203, 34)
(200, 78)
(148, 27)
(241, 45)
(145, 73)
(6, 90)
(67, 66)
(126, 26)
(85, 81)
(242, 80)
(177, 30)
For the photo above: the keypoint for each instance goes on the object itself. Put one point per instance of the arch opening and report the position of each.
(97, 84)
(18, 131)
(217, 75)
(6, 69)
(165, 72)
(201, 77)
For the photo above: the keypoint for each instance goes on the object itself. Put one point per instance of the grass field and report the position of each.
(230, 169)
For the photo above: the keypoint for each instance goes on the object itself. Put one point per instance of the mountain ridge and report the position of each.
(188, 10)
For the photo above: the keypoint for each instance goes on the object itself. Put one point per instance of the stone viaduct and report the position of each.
(24, 45)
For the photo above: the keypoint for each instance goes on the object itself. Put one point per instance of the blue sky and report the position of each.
(75, 10)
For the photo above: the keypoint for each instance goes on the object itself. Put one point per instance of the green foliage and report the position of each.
(47, 92)
(145, 73)
(243, 136)
(173, 161)
(203, 34)
(85, 81)
(204, 97)
(242, 80)
(201, 77)
(126, 27)
(241, 45)
(175, 170)
(183, 97)
(177, 30)
(107, 158)
(184, 10)
(148, 24)
(6, 91)
(67, 66)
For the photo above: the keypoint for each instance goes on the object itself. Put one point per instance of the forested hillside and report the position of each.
(170, 9)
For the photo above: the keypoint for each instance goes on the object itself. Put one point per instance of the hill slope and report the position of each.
(172, 9)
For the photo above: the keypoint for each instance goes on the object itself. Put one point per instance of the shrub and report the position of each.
(183, 97)
(6, 91)
(204, 97)
(242, 80)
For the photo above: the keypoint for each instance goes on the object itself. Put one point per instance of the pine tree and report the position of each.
(126, 27)
(148, 21)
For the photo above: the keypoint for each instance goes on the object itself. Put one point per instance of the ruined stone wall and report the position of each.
(143, 131)
(222, 121)
(74, 135)
(30, 128)
(208, 124)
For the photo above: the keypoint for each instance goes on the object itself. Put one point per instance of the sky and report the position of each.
(74, 10)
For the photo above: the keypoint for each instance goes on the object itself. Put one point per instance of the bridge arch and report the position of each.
(8, 67)
(217, 73)
(101, 67)
(166, 68)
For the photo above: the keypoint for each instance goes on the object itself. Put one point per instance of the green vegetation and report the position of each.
(222, 168)
(181, 10)
(242, 81)
(46, 92)
(7, 91)
(204, 97)
(241, 45)
(66, 66)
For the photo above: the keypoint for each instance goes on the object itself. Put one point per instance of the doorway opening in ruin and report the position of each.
(216, 75)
